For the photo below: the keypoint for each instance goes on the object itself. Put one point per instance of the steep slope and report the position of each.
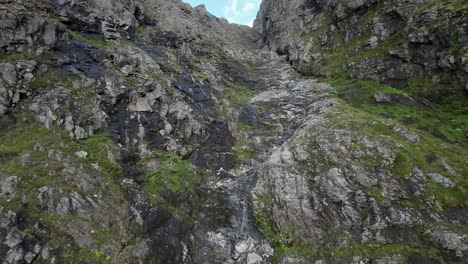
(147, 131)
(360, 181)
(418, 47)
(111, 130)
(390, 41)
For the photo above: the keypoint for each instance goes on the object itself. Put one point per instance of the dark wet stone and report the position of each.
(194, 91)
(418, 259)
(460, 214)
(155, 219)
(249, 115)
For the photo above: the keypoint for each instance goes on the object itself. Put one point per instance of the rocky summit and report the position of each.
(148, 131)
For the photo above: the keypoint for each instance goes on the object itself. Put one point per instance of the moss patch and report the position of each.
(13, 57)
(174, 174)
(97, 42)
(447, 120)
(238, 95)
(51, 153)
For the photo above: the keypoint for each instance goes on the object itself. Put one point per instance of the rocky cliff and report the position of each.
(148, 131)
(402, 43)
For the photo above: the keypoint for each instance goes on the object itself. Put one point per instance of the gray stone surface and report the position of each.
(98, 96)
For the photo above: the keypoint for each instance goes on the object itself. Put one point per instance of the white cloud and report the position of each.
(250, 24)
(231, 8)
(249, 6)
(240, 11)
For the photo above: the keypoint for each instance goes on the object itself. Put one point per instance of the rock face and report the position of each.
(148, 131)
(396, 42)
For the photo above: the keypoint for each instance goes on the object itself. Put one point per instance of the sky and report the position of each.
(241, 12)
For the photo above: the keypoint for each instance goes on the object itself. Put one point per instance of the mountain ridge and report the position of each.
(147, 131)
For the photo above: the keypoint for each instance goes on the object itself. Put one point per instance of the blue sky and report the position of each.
(236, 11)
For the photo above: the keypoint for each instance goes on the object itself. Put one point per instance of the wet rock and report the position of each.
(401, 52)
(26, 159)
(450, 240)
(45, 196)
(8, 186)
(447, 167)
(130, 71)
(81, 154)
(336, 186)
(444, 181)
(253, 258)
(79, 133)
(413, 138)
(373, 41)
(382, 98)
(146, 102)
(8, 73)
(14, 238)
(22, 30)
(423, 46)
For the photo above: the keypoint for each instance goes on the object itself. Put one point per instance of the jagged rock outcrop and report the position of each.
(336, 190)
(389, 41)
(90, 92)
(148, 131)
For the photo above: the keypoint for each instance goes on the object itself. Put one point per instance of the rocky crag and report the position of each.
(148, 131)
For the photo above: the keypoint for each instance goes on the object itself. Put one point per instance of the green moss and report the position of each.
(241, 151)
(340, 55)
(447, 120)
(99, 43)
(54, 77)
(238, 95)
(26, 136)
(402, 165)
(374, 250)
(174, 174)
(408, 154)
(448, 197)
(42, 81)
(78, 255)
(377, 194)
(100, 256)
(103, 236)
(16, 56)
(200, 75)
(413, 204)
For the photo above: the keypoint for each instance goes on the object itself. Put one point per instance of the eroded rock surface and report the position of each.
(152, 132)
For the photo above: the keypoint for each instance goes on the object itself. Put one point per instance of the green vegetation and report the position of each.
(370, 250)
(52, 157)
(82, 255)
(42, 81)
(84, 95)
(379, 196)
(25, 137)
(242, 152)
(53, 76)
(402, 166)
(16, 56)
(174, 174)
(171, 183)
(98, 43)
(103, 236)
(447, 120)
(374, 250)
(410, 154)
(100, 256)
(288, 244)
(449, 197)
(200, 75)
(237, 95)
